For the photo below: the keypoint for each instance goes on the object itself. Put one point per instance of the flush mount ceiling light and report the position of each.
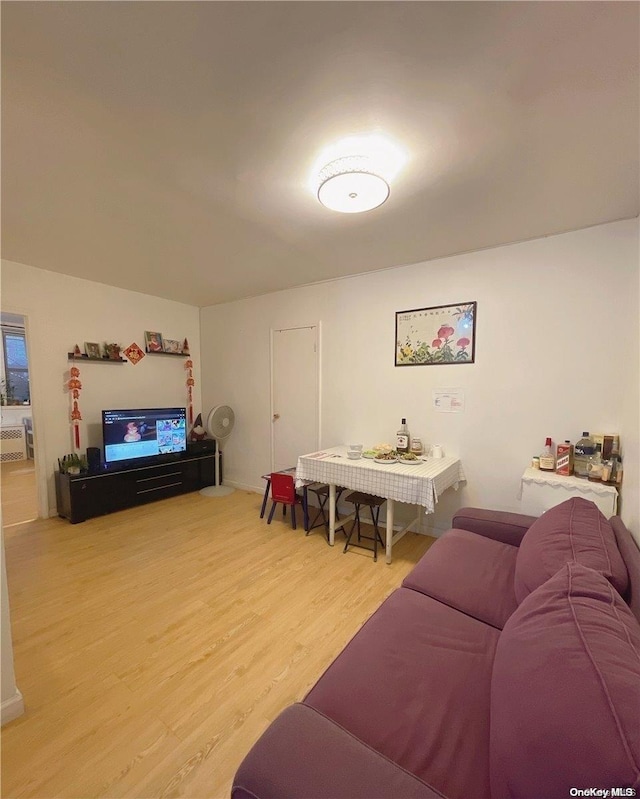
(351, 185)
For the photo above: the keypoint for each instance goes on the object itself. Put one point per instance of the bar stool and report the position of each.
(321, 490)
(359, 498)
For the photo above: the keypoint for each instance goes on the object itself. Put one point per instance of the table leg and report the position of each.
(389, 529)
(332, 513)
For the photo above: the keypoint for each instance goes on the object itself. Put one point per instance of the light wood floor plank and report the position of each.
(154, 645)
(19, 497)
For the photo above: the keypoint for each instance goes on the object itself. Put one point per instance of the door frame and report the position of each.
(42, 493)
(317, 326)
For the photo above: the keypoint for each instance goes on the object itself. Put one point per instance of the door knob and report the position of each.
(276, 416)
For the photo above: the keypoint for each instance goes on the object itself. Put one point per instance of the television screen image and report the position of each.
(143, 433)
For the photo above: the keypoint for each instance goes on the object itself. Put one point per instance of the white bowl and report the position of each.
(356, 447)
(354, 454)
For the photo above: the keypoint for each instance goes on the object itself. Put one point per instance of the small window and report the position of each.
(16, 368)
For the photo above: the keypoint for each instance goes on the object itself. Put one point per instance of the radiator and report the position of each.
(13, 443)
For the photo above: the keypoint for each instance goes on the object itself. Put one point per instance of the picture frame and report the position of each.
(92, 350)
(153, 342)
(437, 335)
(173, 346)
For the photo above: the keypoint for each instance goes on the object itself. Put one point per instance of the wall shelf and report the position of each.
(170, 354)
(87, 359)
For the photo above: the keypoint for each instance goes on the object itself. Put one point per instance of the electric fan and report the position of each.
(219, 425)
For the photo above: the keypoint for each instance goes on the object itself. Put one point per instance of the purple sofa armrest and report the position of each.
(305, 755)
(508, 528)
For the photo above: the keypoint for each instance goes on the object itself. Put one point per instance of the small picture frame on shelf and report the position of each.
(92, 350)
(173, 346)
(153, 341)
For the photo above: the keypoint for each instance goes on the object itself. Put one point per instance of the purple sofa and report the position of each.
(506, 666)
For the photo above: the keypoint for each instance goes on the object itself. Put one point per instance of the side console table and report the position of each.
(83, 496)
(543, 490)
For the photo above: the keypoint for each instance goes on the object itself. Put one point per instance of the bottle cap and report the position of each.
(585, 434)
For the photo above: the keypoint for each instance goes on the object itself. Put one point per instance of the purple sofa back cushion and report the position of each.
(565, 691)
(575, 530)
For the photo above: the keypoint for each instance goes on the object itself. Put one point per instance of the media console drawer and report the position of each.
(81, 497)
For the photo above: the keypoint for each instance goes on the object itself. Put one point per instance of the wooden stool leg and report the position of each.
(305, 508)
(264, 499)
(353, 527)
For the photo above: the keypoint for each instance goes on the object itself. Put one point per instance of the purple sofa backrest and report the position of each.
(573, 531)
(631, 556)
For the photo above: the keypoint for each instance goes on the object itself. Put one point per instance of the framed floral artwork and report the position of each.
(442, 334)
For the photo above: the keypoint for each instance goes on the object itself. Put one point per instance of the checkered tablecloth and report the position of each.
(419, 484)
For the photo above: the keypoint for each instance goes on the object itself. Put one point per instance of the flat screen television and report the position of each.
(139, 433)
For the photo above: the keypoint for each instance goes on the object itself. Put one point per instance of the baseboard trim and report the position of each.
(11, 708)
(244, 486)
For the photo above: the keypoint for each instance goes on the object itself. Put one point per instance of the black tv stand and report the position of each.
(84, 496)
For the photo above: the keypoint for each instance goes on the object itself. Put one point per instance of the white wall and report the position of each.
(12, 703)
(63, 311)
(556, 354)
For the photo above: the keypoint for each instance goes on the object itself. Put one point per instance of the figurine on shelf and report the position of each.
(77, 352)
(198, 432)
(185, 348)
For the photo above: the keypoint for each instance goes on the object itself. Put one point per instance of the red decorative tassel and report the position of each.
(77, 435)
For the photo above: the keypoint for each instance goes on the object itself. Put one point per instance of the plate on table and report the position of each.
(369, 453)
(409, 461)
(385, 460)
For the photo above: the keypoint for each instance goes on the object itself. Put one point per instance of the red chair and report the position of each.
(283, 491)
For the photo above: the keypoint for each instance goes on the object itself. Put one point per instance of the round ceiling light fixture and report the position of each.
(351, 185)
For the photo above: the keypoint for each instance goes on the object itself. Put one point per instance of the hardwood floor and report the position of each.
(19, 498)
(153, 646)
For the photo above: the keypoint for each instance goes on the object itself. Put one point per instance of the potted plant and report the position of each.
(72, 463)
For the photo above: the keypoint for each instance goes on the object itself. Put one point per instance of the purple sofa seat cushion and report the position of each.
(575, 530)
(414, 685)
(471, 573)
(305, 755)
(565, 694)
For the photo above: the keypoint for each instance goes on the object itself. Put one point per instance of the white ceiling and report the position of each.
(166, 147)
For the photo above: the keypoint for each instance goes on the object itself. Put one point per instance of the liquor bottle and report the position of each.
(594, 466)
(547, 460)
(582, 451)
(402, 437)
(615, 466)
(564, 458)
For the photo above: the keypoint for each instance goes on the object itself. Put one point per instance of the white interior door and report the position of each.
(295, 407)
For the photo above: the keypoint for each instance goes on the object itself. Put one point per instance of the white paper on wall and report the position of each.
(448, 400)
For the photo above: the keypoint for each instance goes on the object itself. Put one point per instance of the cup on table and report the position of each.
(354, 451)
(437, 451)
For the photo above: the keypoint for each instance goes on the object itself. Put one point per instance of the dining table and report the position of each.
(418, 483)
